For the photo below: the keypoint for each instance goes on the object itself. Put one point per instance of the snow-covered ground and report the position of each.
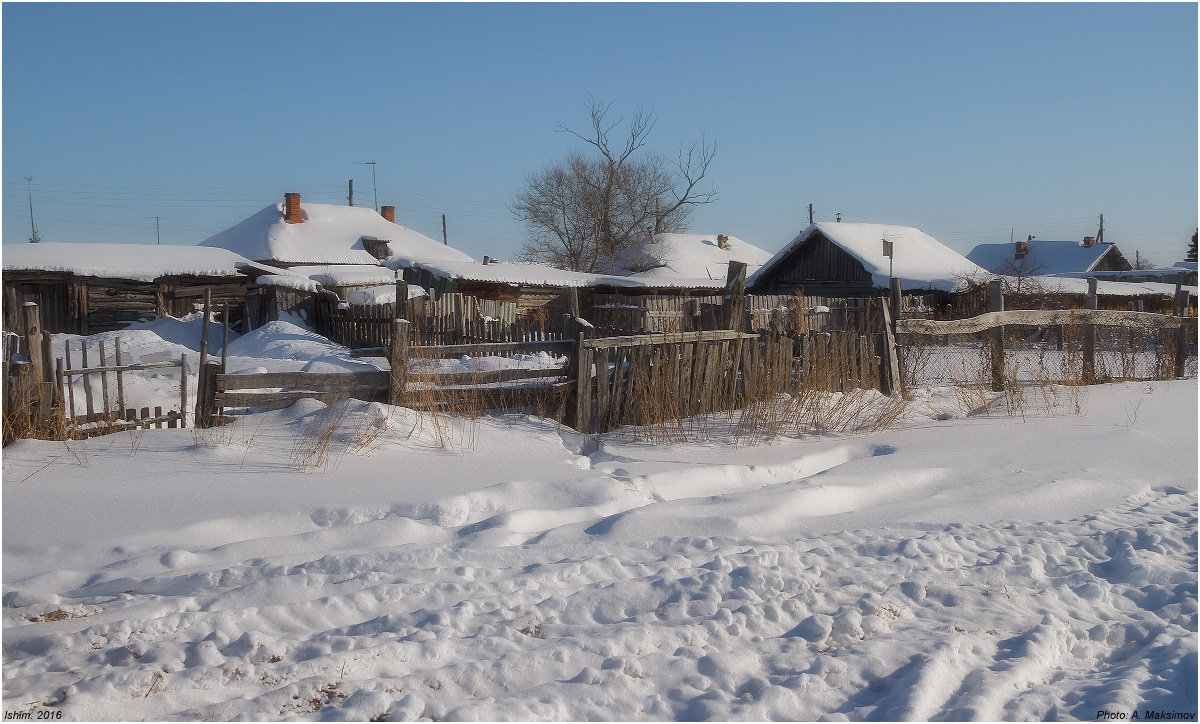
(362, 561)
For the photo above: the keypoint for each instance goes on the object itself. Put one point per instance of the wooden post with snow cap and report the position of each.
(1181, 334)
(398, 361)
(996, 304)
(1089, 337)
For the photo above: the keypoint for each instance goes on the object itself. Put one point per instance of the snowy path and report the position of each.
(973, 568)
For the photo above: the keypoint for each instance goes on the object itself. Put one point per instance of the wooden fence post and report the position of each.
(733, 304)
(1089, 337)
(996, 304)
(398, 360)
(183, 377)
(894, 297)
(1181, 336)
(401, 298)
(890, 379)
(202, 393)
(32, 320)
(580, 362)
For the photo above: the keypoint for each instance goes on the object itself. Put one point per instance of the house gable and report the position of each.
(819, 266)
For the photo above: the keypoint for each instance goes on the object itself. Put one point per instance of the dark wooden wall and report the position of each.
(86, 305)
(1113, 260)
(819, 267)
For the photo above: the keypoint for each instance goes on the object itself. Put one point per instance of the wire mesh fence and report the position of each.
(1047, 354)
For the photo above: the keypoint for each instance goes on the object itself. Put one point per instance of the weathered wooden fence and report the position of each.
(441, 319)
(407, 382)
(41, 401)
(86, 418)
(648, 378)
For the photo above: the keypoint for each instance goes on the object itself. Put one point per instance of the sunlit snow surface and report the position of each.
(978, 567)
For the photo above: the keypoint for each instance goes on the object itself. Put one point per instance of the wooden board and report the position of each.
(303, 380)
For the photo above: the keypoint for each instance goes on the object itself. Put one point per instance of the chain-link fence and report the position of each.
(1046, 354)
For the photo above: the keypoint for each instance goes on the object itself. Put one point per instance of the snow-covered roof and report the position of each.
(288, 281)
(1046, 257)
(1073, 285)
(384, 294)
(919, 260)
(137, 262)
(539, 275)
(329, 234)
(344, 275)
(689, 256)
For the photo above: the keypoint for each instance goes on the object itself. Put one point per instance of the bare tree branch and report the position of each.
(583, 212)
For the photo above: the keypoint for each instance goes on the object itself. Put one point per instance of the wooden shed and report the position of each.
(88, 288)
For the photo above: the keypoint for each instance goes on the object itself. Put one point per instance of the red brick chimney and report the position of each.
(291, 209)
(388, 212)
(1089, 241)
(722, 241)
(1022, 249)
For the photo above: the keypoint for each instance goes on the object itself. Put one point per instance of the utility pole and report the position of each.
(350, 197)
(445, 240)
(810, 213)
(1100, 234)
(373, 185)
(33, 235)
(157, 236)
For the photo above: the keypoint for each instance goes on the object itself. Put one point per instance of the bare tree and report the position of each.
(1021, 275)
(1141, 262)
(582, 211)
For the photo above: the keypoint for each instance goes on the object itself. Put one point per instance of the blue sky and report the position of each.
(967, 121)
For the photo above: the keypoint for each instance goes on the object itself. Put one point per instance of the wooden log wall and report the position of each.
(86, 305)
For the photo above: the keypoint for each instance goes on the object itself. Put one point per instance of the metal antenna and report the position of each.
(373, 186)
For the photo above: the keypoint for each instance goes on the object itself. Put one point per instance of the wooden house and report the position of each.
(88, 288)
(852, 260)
(341, 247)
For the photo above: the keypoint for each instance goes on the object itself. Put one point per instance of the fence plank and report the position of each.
(104, 378)
(303, 380)
(183, 395)
(67, 374)
(87, 382)
(666, 338)
(120, 375)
